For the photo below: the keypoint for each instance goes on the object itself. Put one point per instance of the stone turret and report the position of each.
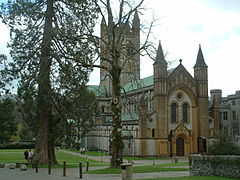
(214, 112)
(136, 23)
(201, 74)
(160, 101)
(136, 44)
(201, 78)
(160, 64)
(216, 96)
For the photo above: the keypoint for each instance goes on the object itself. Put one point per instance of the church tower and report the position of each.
(104, 78)
(201, 77)
(129, 60)
(160, 101)
(214, 112)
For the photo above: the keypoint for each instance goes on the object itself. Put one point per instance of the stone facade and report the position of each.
(162, 115)
(226, 110)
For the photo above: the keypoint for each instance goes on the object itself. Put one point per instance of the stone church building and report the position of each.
(162, 115)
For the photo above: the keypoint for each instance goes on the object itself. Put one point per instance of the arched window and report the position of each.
(103, 109)
(174, 112)
(153, 132)
(185, 112)
(136, 132)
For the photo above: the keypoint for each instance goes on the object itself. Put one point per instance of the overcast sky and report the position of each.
(182, 26)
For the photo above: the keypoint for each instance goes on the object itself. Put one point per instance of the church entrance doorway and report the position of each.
(180, 146)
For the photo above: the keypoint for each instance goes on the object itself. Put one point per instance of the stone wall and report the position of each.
(204, 165)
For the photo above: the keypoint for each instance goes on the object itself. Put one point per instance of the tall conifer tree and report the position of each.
(48, 45)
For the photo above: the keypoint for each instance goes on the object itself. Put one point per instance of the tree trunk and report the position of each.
(116, 142)
(44, 147)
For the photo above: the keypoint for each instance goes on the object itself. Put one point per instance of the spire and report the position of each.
(160, 56)
(136, 18)
(110, 16)
(103, 22)
(136, 22)
(200, 60)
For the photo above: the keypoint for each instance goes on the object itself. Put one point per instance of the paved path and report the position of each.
(136, 162)
(73, 173)
(57, 174)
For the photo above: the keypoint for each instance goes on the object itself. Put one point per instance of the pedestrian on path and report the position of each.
(26, 155)
(30, 155)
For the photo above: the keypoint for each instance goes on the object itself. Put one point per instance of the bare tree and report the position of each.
(119, 59)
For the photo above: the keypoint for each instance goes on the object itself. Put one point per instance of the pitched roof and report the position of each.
(97, 90)
(141, 83)
(180, 68)
(129, 117)
(126, 133)
(132, 86)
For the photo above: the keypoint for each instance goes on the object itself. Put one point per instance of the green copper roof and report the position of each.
(97, 90)
(145, 82)
(129, 117)
(126, 133)
(135, 85)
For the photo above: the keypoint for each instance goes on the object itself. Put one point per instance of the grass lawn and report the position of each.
(103, 153)
(143, 158)
(13, 156)
(192, 178)
(96, 153)
(144, 169)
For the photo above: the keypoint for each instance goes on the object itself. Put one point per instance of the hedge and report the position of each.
(215, 165)
(18, 145)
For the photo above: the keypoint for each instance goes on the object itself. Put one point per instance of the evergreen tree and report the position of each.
(48, 45)
(8, 127)
(75, 114)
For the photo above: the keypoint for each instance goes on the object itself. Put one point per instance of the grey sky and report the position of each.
(182, 26)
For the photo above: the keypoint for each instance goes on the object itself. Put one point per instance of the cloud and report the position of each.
(214, 24)
(5, 38)
(182, 26)
(224, 5)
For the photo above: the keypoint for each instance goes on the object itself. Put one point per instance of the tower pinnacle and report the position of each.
(200, 59)
(160, 59)
(136, 22)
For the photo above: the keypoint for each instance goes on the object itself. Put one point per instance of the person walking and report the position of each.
(26, 155)
(30, 154)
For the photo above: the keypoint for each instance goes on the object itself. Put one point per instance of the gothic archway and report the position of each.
(180, 146)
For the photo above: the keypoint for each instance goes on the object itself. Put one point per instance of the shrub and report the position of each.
(18, 145)
(224, 148)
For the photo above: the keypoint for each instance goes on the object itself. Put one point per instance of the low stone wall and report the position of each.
(205, 165)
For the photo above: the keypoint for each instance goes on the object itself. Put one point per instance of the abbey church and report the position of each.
(162, 115)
